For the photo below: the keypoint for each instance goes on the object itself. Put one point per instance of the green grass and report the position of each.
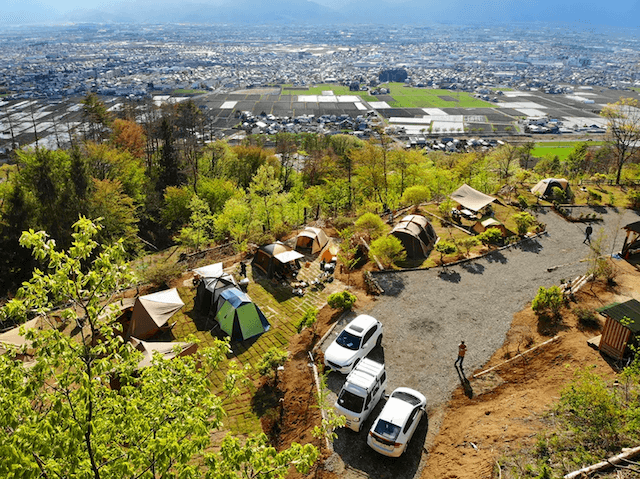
(282, 309)
(408, 97)
(182, 91)
(337, 90)
(560, 148)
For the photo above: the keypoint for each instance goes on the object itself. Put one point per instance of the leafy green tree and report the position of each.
(548, 300)
(343, 300)
(414, 195)
(95, 116)
(523, 222)
(623, 131)
(176, 206)
(200, 227)
(371, 225)
(118, 212)
(467, 243)
(273, 359)
(265, 193)
(445, 248)
(388, 250)
(84, 408)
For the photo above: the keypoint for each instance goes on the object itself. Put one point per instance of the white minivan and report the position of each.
(362, 390)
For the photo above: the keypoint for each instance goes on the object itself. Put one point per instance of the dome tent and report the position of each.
(274, 259)
(544, 188)
(311, 239)
(207, 298)
(416, 234)
(239, 317)
(152, 312)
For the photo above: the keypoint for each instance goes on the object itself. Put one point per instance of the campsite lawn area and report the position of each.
(336, 89)
(282, 309)
(409, 97)
(561, 149)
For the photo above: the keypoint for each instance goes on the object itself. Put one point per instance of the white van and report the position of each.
(364, 387)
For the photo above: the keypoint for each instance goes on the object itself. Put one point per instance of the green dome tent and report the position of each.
(239, 317)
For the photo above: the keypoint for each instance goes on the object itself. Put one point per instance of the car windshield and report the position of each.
(350, 401)
(387, 431)
(406, 397)
(348, 340)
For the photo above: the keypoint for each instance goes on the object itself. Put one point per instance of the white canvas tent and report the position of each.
(311, 239)
(210, 271)
(13, 338)
(471, 199)
(167, 350)
(152, 312)
(545, 187)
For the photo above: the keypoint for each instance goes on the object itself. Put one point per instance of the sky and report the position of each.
(597, 12)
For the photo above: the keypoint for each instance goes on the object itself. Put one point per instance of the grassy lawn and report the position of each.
(560, 148)
(282, 309)
(336, 89)
(181, 91)
(408, 97)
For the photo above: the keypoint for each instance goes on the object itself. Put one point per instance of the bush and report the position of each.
(414, 195)
(370, 224)
(280, 230)
(490, 236)
(587, 318)
(342, 222)
(445, 248)
(388, 250)
(634, 199)
(161, 273)
(308, 320)
(558, 194)
(593, 196)
(523, 221)
(522, 201)
(344, 300)
(467, 243)
(548, 300)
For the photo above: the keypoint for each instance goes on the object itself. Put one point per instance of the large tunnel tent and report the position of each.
(239, 317)
(208, 294)
(311, 240)
(152, 312)
(544, 188)
(416, 234)
(276, 259)
(166, 350)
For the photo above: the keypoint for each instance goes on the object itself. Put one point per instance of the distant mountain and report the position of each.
(585, 13)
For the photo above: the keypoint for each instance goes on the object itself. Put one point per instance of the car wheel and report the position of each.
(379, 341)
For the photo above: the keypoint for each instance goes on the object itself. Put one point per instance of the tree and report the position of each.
(505, 159)
(348, 254)
(445, 248)
(388, 250)
(623, 130)
(344, 300)
(273, 359)
(200, 227)
(548, 300)
(371, 225)
(117, 210)
(95, 114)
(524, 152)
(265, 188)
(61, 416)
(467, 243)
(129, 136)
(523, 221)
(414, 195)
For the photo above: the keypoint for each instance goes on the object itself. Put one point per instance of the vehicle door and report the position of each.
(367, 342)
(410, 427)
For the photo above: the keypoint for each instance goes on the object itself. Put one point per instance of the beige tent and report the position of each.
(311, 239)
(472, 199)
(482, 226)
(167, 350)
(544, 188)
(152, 312)
(13, 338)
(210, 271)
(276, 259)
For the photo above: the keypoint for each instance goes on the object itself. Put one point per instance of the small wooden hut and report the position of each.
(621, 328)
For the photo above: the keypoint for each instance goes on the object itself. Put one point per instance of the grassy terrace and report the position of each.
(336, 89)
(408, 97)
(561, 149)
(282, 309)
(183, 92)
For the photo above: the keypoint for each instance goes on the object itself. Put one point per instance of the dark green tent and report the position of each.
(239, 317)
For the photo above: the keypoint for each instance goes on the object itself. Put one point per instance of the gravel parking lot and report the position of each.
(426, 314)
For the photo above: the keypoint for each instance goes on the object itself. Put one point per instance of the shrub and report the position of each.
(523, 221)
(344, 300)
(342, 222)
(548, 300)
(388, 250)
(445, 248)
(558, 194)
(634, 199)
(270, 362)
(280, 230)
(370, 224)
(587, 318)
(414, 195)
(308, 320)
(161, 273)
(522, 202)
(593, 196)
(490, 236)
(612, 199)
(444, 208)
(468, 243)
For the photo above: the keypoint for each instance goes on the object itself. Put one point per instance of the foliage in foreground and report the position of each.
(82, 406)
(344, 300)
(592, 421)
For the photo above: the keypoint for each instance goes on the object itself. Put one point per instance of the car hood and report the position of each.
(339, 355)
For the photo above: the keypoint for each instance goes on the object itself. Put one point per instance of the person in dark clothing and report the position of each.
(587, 235)
(462, 349)
(243, 270)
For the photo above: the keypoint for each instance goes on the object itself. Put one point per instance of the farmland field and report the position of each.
(562, 149)
(336, 89)
(408, 97)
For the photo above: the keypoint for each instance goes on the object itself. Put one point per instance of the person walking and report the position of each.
(462, 349)
(243, 269)
(587, 235)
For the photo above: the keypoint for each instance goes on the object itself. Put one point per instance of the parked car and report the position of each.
(393, 428)
(362, 390)
(354, 343)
